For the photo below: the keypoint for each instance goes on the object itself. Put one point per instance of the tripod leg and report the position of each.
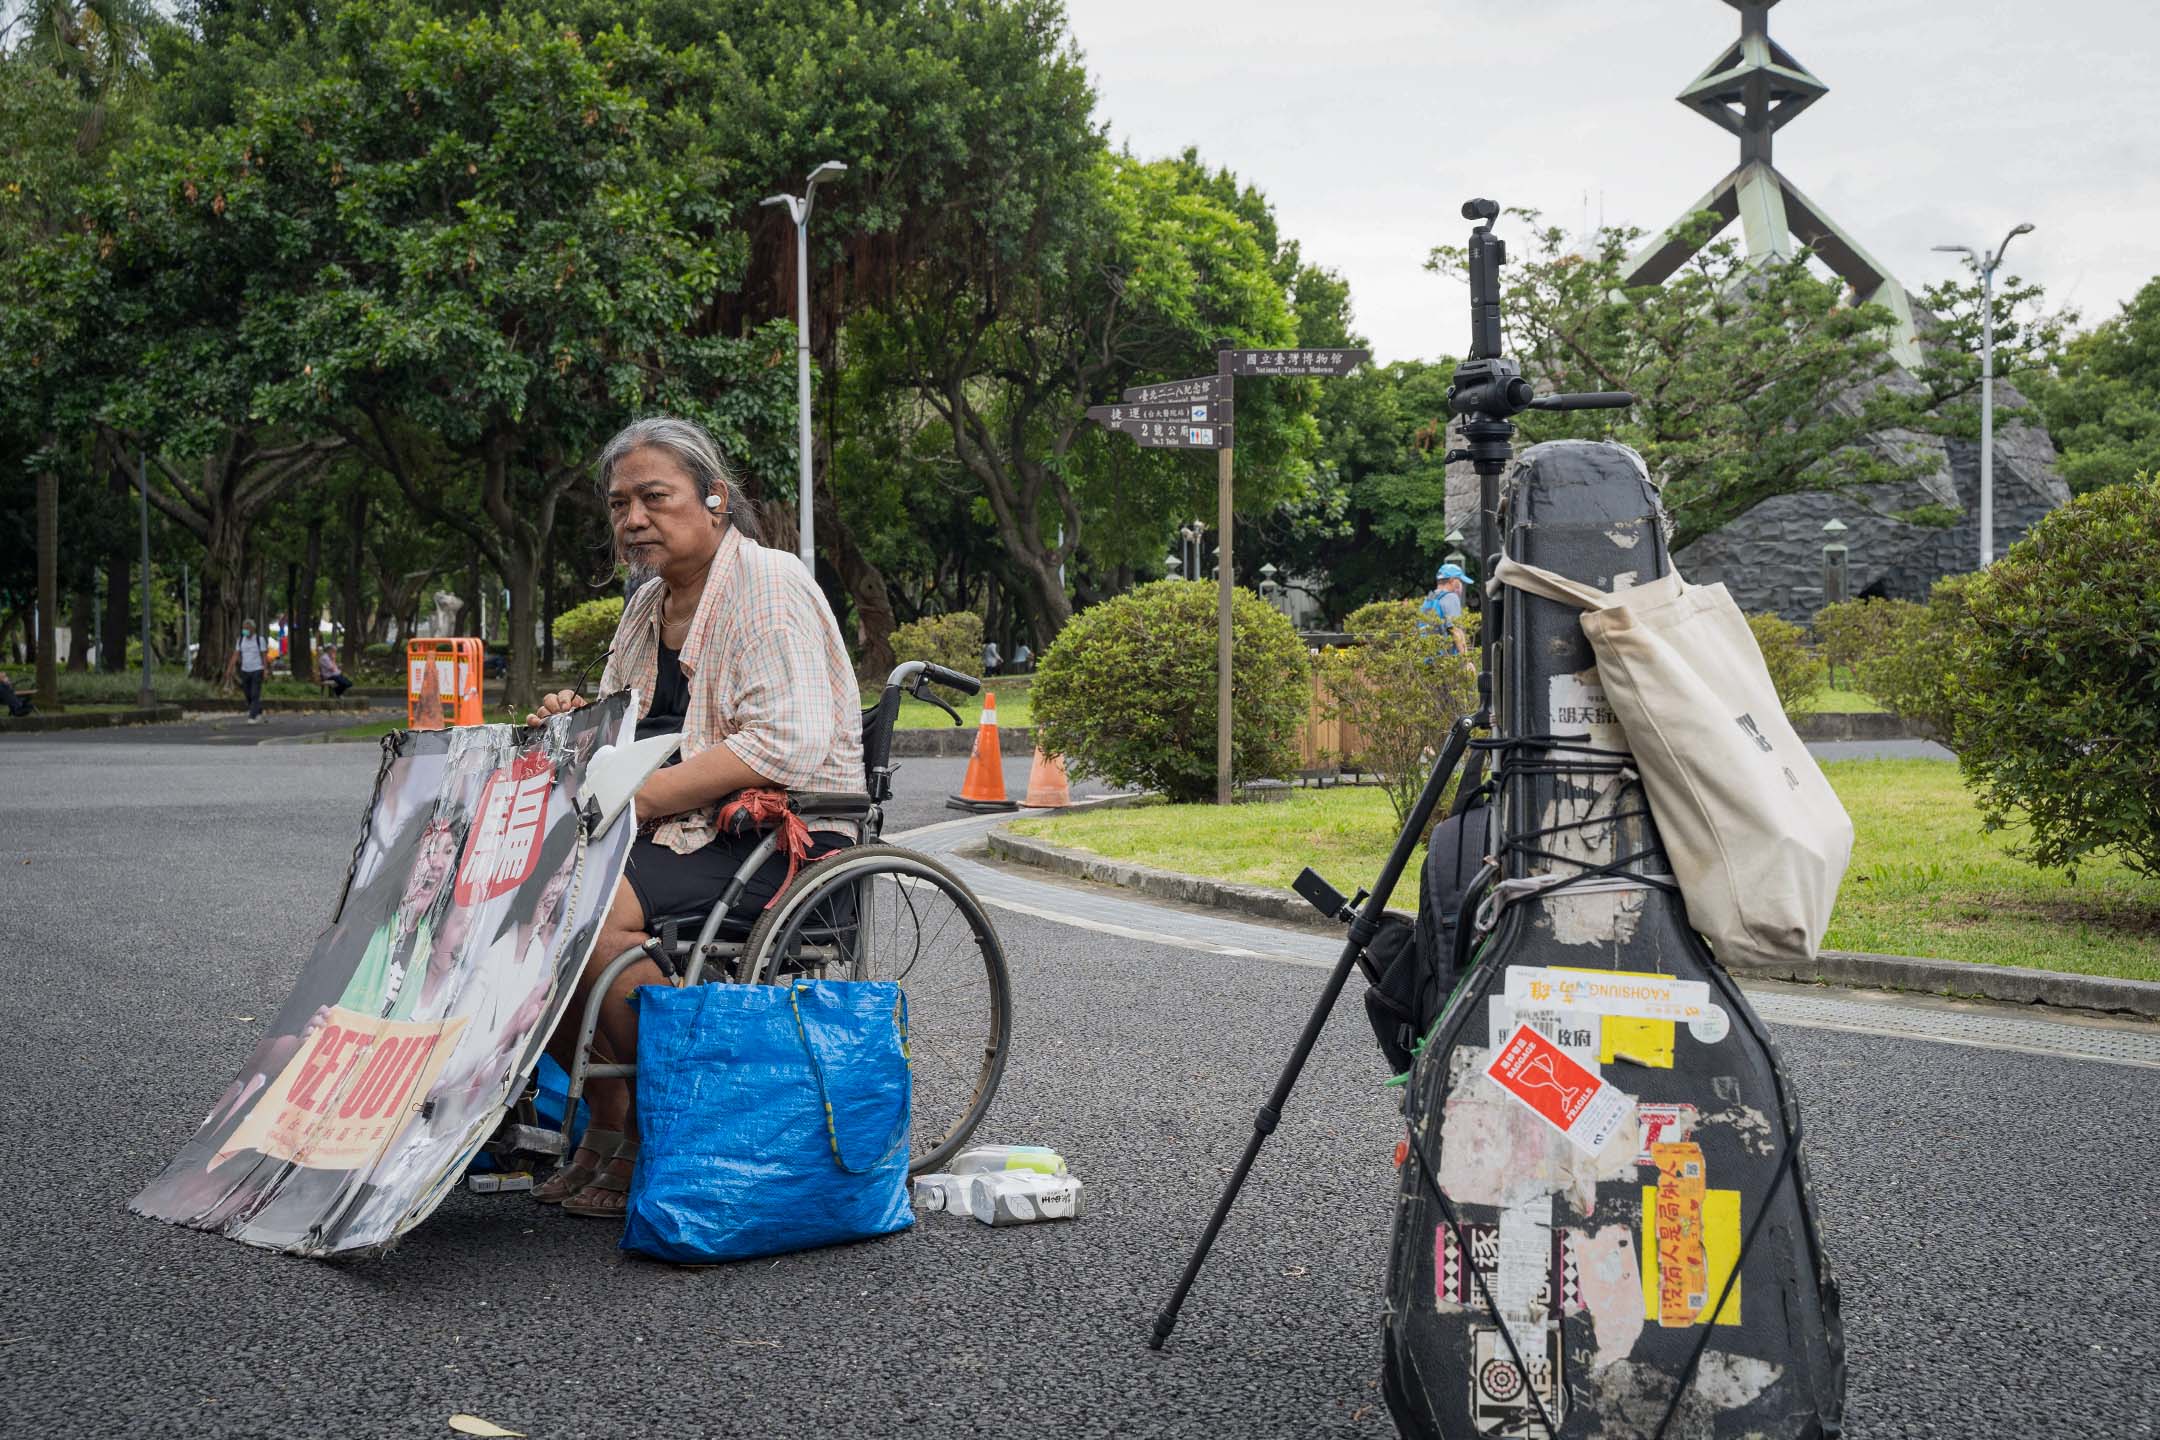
(1362, 930)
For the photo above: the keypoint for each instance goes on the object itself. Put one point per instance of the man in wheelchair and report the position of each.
(732, 645)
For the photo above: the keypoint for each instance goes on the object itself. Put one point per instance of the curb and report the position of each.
(220, 706)
(1162, 884)
(1854, 725)
(2011, 984)
(88, 720)
(946, 742)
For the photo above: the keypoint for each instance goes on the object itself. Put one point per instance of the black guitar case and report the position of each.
(1604, 1227)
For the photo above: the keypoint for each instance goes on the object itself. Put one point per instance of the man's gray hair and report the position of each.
(699, 457)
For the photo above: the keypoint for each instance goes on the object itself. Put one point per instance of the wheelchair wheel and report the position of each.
(878, 912)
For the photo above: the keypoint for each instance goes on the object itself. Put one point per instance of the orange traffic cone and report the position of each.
(1047, 789)
(428, 713)
(984, 789)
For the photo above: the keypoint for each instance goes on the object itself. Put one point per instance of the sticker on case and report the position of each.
(1581, 1105)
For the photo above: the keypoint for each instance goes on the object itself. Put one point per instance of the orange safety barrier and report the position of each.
(442, 683)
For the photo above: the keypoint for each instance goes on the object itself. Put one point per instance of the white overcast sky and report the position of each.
(1368, 122)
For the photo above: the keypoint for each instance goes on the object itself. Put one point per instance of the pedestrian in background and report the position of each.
(248, 659)
(1445, 605)
(1022, 658)
(17, 705)
(990, 657)
(327, 671)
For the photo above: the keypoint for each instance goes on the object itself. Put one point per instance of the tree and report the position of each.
(2103, 403)
(1139, 268)
(1375, 524)
(514, 254)
(2058, 681)
(1752, 380)
(68, 72)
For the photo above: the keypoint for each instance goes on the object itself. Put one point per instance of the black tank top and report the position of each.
(671, 698)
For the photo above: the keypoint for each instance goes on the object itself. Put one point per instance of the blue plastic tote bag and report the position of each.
(774, 1118)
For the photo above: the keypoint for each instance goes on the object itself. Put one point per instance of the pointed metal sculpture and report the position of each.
(1754, 89)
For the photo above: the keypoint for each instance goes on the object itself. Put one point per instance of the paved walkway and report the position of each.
(1112, 912)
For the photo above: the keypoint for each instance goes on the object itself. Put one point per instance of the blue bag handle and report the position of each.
(817, 1068)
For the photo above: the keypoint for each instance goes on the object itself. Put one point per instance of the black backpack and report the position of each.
(1420, 964)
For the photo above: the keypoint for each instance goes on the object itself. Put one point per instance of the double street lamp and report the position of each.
(1986, 265)
(798, 208)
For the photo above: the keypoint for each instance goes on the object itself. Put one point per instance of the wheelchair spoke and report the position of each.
(871, 917)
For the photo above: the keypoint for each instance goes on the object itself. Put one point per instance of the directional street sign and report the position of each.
(1295, 362)
(1203, 387)
(1195, 414)
(1215, 412)
(1173, 435)
(1180, 437)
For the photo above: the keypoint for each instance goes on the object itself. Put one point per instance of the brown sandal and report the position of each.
(608, 1196)
(573, 1177)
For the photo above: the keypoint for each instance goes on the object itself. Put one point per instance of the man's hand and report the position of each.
(559, 703)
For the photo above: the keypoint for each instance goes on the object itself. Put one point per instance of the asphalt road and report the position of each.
(1990, 1213)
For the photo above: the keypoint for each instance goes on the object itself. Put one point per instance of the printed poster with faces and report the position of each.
(473, 902)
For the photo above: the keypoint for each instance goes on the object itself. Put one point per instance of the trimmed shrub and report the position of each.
(1127, 692)
(1852, 631)
(1911, 674)
(1795, 670)
(381, 657)
(584, 632)
(2058, 680)
(1401, 688)
(954, 641)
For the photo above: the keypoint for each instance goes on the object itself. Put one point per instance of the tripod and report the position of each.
(1487, 392)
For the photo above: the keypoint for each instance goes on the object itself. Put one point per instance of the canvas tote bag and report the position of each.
(1756, 837)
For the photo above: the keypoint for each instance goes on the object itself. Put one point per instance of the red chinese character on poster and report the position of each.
(505, 842)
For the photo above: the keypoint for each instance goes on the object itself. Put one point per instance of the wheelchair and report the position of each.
(870, 911)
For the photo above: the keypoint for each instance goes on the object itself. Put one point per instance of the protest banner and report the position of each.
(473, 901)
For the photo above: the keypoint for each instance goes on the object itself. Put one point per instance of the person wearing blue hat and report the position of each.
(1445, 603)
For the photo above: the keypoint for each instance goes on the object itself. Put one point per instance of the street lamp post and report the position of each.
(1986, 266)
(142, 490)
(798, 209)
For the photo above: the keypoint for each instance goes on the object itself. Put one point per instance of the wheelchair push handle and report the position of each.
(915, 678)
(938, 675)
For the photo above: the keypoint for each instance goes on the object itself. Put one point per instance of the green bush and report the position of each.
(1127, 692)
(2058, 675)
(1795, 670)
(167, 683)
(584, 632)
(1852, 631)
(1401, 688)
(954, 641)
(1912, 673)
(381, 658)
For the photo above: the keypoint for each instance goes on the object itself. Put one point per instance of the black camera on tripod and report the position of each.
(1489, 389)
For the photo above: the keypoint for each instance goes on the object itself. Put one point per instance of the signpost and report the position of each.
(1198, 414)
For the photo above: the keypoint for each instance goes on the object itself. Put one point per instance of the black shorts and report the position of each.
(667, 883)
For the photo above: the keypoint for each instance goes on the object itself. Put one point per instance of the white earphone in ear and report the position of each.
(712, 502)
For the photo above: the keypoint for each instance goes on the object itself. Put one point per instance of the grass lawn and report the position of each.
(1831, 701)
(1925, 879)
(1013, 705)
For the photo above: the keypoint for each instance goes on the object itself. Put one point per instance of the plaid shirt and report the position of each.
(769, 677)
